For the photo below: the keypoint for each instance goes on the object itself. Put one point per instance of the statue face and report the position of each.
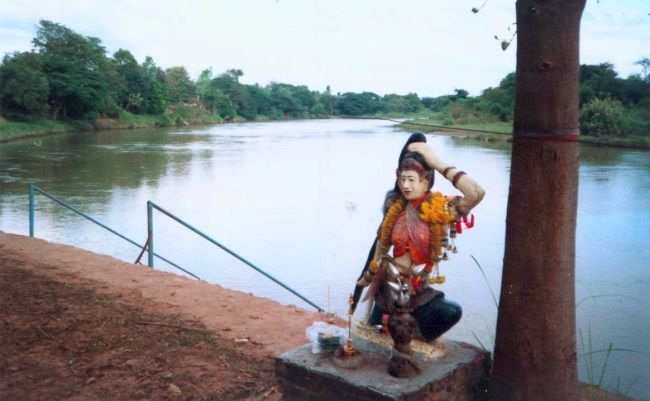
(411, 185)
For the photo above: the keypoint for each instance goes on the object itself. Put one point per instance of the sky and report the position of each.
(429, 47)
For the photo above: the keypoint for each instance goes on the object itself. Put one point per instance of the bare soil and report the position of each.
(79, 326)
(66, 341)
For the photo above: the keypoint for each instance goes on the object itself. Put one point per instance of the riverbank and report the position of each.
(78, 325)
(177, 116)
(502, 132)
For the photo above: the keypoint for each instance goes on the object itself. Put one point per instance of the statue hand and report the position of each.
(429, 156)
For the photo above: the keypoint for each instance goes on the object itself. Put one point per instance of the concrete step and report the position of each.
(459, 375)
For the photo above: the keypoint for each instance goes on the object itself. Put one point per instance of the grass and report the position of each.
(588, 352)
(496, 304)
(11, 130)
(436, 124)
(177, 116)
(595, 379)
(502, 131)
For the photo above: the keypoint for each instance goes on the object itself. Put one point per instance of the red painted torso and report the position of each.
(411, 234)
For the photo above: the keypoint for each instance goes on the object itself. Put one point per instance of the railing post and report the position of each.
(150, 232)
(31, 210)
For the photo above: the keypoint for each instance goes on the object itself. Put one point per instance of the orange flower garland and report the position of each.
(436, 213)
(387, 229)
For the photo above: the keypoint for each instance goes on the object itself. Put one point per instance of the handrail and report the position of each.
(151, 206)
(33, 188)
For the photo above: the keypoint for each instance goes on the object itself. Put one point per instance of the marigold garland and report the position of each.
(435, 211)
(386, 229)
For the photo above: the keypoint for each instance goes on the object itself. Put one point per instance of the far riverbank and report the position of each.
(182, 116)
(502, 132)
(177, 116)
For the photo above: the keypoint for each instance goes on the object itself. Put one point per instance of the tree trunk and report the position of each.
(535, 350)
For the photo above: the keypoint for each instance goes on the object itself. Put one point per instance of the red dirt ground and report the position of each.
(80, 326)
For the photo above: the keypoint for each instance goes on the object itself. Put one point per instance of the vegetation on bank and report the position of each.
(68, 82)
(30, 126)
(502, 132)
(613, 111)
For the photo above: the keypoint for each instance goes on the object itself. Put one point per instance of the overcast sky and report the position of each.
(429, 47)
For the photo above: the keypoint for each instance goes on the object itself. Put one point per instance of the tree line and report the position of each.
(70, 76)
(609, 104)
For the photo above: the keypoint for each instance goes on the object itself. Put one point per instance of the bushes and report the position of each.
(608, 117)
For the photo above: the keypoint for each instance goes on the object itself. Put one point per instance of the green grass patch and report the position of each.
(437, 124)
(495, 131)
(178, 116)
(10, 130)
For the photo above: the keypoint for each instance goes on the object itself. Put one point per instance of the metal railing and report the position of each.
(151, 206)
(149, 244)
(33, 188)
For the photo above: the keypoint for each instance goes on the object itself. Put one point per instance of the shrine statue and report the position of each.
(419, 227)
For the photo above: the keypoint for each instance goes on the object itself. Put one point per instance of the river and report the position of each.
(302, 199)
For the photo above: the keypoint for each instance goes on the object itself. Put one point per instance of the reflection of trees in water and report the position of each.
(599, 155)
(87, 167)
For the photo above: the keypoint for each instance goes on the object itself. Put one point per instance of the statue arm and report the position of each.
(472, 192)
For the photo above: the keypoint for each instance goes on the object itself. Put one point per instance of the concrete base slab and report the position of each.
(458, 376)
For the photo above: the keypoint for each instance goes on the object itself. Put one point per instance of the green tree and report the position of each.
(154, 88)
(203, 82)
(261, 97)
(500, 101)
(131, 85)
(436, 104)
(598, 81)
(283, 101)
(23, 85)
(393, 103)
(460, 94)
(180, 87)
(356, 104)
(304, 96)
(216, 101)
(229, 84)
(76, 68)
(645, 68)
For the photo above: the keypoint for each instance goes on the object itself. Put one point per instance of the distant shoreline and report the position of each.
(51, 127)
(629, 142)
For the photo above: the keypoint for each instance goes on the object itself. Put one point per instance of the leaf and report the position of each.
(504, 45)
(474, 10)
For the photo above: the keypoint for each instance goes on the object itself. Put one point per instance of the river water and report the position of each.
(302, 200)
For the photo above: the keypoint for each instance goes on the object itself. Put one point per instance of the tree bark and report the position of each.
(535, 350)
